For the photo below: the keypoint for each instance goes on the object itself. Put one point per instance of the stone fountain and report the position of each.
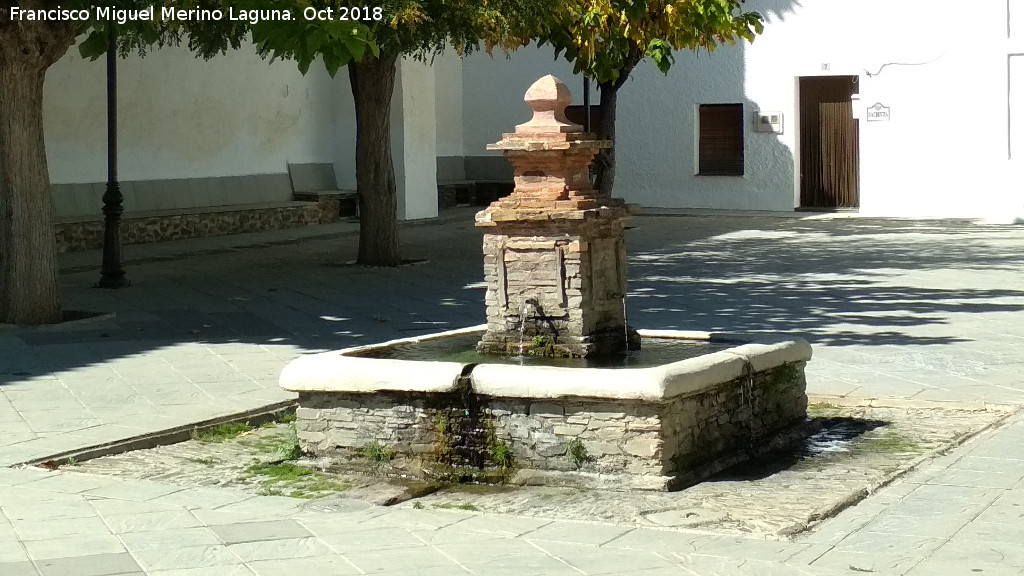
(555, 247)
(554, 261)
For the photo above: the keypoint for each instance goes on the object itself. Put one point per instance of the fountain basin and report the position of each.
(655, 428)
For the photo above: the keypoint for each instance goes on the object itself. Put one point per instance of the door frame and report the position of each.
(797, 146)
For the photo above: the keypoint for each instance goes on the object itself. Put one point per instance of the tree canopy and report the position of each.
(337, 40)
(605, 39)
(416, 28)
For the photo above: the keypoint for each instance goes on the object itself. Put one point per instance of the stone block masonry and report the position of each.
(565, 287)
(75, 235)
(635, 440)
(554, 250)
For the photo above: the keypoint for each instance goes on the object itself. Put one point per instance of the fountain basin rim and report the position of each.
(340, 372)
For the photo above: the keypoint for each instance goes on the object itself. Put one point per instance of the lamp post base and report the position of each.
(113, 282)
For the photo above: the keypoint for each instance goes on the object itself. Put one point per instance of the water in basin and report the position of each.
(462, 348)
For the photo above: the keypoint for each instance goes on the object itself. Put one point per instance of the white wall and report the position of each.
(235, 115)
(414, 140)
(448, 103)
(656, 138)
(944, 153)
(655, 131)
(343, 126)
(185, 118)
(493, 90)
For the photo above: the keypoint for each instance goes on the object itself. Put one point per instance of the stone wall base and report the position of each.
(569, 440)
(75, 236)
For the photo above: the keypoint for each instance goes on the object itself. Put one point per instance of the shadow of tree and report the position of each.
(836, 281)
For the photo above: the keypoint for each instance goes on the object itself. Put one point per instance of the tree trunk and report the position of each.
(29, 291)
(373, 83)
(606, 159)
(609, 100)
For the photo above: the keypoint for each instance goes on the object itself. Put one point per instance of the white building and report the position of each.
(889, 108)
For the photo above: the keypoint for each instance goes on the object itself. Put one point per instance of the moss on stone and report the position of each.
(890, 442)
(783, 375)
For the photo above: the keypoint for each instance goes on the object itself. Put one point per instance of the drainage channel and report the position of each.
(254, 417)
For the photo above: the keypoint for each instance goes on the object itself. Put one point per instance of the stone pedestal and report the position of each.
(554, 255)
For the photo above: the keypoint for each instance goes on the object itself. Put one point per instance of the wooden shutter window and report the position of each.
(720, 145)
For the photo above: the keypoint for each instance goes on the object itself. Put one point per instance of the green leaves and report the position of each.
(278, 28)
(661, 53)
(603, 37)
(353, 31)
(355, 45)
(95, 44)
(333, 39)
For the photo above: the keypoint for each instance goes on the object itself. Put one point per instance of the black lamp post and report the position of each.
(112, 272)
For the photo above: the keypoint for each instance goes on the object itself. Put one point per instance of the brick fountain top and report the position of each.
(554, 251)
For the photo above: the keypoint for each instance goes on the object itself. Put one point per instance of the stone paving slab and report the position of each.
(878, 299)
(859, 450)
(944, 519)
(263, 536)
(896, 310)
(390, 540)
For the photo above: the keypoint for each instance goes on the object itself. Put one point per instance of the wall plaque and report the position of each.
(878, 113)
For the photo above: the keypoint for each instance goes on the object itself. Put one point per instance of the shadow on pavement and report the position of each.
(835, 281)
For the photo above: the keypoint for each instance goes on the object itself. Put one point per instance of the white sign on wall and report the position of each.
(878, 113)
(768, 122)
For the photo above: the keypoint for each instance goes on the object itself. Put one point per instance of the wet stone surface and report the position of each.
(255, 460)
(856, 451)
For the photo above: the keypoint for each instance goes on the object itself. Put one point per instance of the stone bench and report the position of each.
(333, 203)
(451, 193)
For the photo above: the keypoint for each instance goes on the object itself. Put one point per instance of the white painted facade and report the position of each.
(189, 123)
(448, 107)
(185, 119)
(945, 151)
(954, 145)
(414, 140)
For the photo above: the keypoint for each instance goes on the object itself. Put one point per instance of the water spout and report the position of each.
(527, 304)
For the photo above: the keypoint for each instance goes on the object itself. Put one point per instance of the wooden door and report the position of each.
(829, 143)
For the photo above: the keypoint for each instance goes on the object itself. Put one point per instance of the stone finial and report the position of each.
(548, 98)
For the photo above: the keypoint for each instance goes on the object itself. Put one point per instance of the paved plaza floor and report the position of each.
(918, 313)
